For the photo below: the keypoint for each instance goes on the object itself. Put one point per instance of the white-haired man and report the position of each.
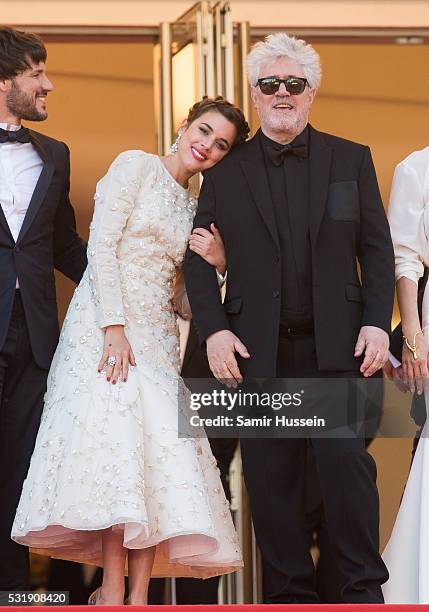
(297, 209)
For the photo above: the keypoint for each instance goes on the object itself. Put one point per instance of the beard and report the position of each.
(293, 124)
(22, 105)
(289, 122)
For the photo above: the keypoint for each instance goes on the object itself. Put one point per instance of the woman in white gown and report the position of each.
(407, 553)
(110, 482)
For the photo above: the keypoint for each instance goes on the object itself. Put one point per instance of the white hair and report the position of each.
(282, 45)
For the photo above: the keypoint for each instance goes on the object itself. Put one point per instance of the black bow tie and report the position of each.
(278, 155)
(22, 135)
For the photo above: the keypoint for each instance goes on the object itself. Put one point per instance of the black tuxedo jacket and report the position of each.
(47, 240)
(347, 225)
(195, 364)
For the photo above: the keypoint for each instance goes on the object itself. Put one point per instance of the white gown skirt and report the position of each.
(110, 456)
(407, 552)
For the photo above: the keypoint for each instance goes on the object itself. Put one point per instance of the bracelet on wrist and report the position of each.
(412, 346)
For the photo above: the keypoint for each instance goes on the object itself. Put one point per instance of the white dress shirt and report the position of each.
(20, 168)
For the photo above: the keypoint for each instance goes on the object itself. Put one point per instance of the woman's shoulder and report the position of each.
(134, 156)
(418, 160)
(134, 163)
(131, 167)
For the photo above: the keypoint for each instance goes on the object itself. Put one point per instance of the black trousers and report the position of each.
(22, 386)
(189, 591)
(277, 472)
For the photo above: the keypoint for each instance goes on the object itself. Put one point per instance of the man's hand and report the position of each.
(221, 348)
(374, 342)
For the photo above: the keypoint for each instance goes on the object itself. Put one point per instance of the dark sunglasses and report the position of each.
(270, 85)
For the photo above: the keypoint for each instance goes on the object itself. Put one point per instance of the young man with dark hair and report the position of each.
(37, 234)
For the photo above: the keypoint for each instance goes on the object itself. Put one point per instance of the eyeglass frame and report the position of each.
(284, 81)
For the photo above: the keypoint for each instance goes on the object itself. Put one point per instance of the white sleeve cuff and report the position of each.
(221, 279)
(395, 362)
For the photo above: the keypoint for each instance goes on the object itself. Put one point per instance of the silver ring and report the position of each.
(111, 361)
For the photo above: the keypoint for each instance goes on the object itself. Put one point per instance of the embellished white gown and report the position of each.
(407, 553)
(109, 455)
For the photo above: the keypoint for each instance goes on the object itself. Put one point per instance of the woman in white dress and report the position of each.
(110, 482)
(407, 553)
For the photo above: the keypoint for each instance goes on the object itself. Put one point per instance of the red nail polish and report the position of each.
(114, 382)
(108, 379)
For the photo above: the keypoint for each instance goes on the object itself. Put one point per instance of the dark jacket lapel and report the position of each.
(254, 170)
(42, 184)
(320, 171)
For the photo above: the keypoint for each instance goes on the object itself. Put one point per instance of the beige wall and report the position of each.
(102, 105)
(309, 13)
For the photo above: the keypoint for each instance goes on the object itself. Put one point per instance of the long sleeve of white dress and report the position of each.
(115, 196)
(408, 215)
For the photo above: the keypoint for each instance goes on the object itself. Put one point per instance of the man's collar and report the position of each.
(300, 139)
(10, 127)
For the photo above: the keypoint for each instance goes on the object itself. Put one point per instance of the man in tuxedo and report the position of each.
(297, 209)
(37, 234)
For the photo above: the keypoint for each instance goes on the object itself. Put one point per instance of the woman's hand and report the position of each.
(118, 351)
(396, 376)
(415, 371)
(209, 245)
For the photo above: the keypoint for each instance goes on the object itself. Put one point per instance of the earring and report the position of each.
(175, 146)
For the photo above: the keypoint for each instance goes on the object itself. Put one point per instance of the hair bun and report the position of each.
(230, 111)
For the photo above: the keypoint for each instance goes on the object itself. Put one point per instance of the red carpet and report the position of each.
(237, 608)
